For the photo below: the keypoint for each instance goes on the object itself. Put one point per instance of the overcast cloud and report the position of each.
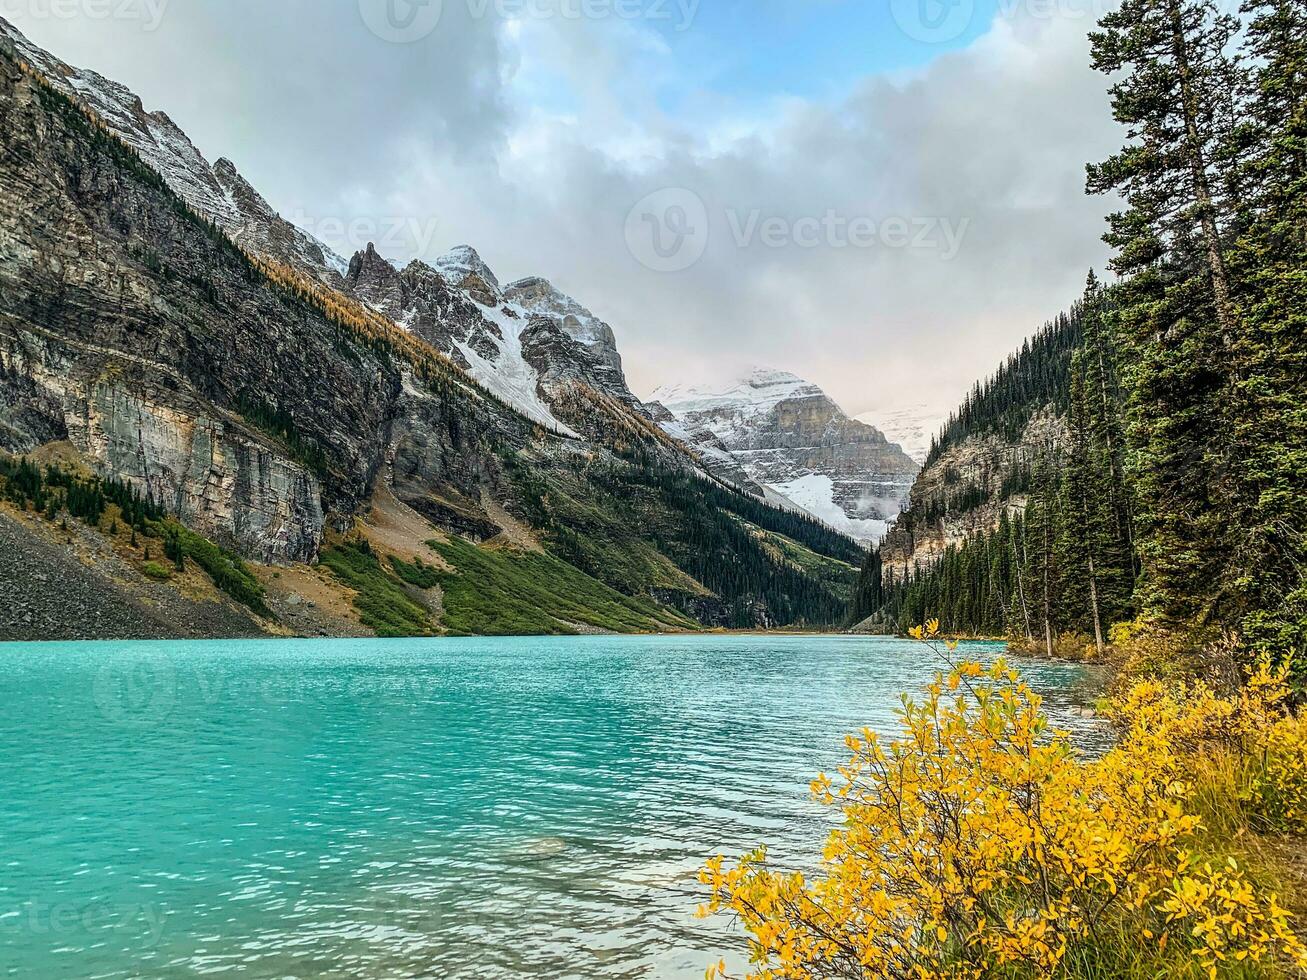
(532, 138)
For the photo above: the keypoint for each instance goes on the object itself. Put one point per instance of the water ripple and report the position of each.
(477, 808)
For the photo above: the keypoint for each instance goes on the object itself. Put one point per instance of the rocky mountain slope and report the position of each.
(787, 436)
(982, 462)
(215, 191)
(263, 408)
(965, 491)
(564, 340)
(526, 342)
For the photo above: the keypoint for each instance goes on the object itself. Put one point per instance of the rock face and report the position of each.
(965, 491)
(422, 301)
(202, 469)
(463, 267)
(788, 436)
(598, 358)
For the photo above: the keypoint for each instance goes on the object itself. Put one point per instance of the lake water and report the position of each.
(436, 808)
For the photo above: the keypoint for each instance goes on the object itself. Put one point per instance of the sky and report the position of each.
(881, 196)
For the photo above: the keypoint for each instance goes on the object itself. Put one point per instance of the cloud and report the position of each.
(532, 138)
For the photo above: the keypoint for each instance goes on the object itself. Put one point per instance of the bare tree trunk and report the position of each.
(1093, 601)
(1019, 559)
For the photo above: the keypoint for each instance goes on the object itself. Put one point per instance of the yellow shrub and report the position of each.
(978, 843)
(1279, 790)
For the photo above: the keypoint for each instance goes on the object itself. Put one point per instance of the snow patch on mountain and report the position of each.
(733, 409)
(520, 304)
(462, 263)
(509, 376)
(541, 296)
(815, 493)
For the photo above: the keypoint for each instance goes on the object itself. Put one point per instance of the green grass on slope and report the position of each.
(502, 592)
(646, 530)
(226, 569)
(382, 603)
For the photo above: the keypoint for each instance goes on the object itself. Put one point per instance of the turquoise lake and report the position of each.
(426, 808)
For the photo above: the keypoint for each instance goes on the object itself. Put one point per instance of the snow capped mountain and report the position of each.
(787, 436)
(911, 426)
(216, 192)
(535, 297)
(732, 412)
(526, 343)
(463, 267)
(539, 297)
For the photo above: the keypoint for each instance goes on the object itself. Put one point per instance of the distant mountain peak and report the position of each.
(791, 438)
(463, 261)
(755, 391)
(760, 375)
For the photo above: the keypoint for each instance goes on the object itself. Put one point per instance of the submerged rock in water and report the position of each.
(545, 847)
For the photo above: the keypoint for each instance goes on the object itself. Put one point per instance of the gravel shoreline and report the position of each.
(47, 592)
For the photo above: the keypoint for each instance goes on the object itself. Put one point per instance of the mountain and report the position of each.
(526, 342)
(217, 192)
(191, 405)
(790, 438)
(487, 342)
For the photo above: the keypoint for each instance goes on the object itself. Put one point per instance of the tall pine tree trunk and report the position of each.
(1122, 507)
(1019, 560)
(1202, 188)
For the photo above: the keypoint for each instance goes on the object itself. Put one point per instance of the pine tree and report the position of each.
(1179, 97)
(1042, 531)
(1269, 553)
(1017, 544)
